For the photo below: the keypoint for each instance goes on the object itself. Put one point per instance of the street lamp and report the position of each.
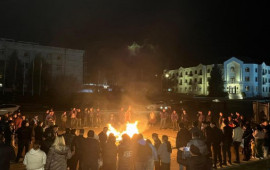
(167, 75)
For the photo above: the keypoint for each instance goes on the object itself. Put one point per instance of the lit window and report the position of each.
(232, 69)
(1, 85)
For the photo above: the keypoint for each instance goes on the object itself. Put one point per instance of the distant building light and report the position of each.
(110, 89)
(1, 85)
(169, 89)
(167, 75)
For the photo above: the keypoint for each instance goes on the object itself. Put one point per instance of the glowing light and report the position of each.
(167, 75)
(131, 129)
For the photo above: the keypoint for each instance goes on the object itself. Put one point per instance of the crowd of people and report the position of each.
(201, 144)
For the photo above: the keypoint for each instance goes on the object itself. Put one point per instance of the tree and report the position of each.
(216, 83)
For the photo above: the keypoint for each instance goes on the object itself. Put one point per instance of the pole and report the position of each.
(39, 91)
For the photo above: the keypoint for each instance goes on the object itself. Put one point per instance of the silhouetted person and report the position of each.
(227, 142)
(217, 139)
(24, 139)
(6, 154)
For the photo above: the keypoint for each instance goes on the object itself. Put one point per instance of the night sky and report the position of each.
(171, 33)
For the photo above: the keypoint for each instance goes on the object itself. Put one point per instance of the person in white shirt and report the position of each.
(237, 139)
(35, 159)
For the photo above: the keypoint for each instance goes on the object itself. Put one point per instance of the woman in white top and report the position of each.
(35, 159)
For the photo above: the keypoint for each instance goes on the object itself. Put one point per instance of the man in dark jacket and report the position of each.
(24, 139)
(197, 161)
(157, 143)
(217, 139)
(6, 154)
(183, 137)
(266, 144)
(77, 146)
(207, 134)
(247, 136)
(227, 142)
(91, 152)
(195, 129)
(39, 131)
(103, 137)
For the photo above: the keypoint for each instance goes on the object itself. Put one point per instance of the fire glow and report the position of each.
(131, 129)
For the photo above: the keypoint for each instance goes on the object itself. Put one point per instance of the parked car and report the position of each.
(8, 108)
(158, 106)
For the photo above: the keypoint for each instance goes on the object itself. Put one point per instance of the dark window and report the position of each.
(256, 79)
(232, 69)
(246, 78)
(195, 71)
(247, 69)
(256, 70)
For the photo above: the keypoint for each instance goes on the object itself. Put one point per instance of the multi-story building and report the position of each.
(240, 79)
(61, 61)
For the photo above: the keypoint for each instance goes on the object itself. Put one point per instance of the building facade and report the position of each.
(240, 79)
(60, 61)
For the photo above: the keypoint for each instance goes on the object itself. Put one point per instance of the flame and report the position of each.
(131, 129)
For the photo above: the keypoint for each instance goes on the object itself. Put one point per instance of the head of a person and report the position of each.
(220, 114)
(98, 109)
(105, 130)
(148, 141)
(111, 138)
(26, 123)
(229, 118)
(236, 124)
(40, 123)
(195, 124)
(59, 142)
(68, 130)
(55, 128)
(165, 138)
(209, 113)
(163, 110)
(226, 122)
(205, 124)
(181, 125)
(213, 124)
(23, 117)
(265, 123)
(125, 138)
(194, 151)
(174, 112)
(139, 136)
(200, 112)
(15, 116)
(195, 135)
(246, 126)
(154, 136)
(91, 134)
(259, 128)
(36, 145)
(184, 112)
(81, 132)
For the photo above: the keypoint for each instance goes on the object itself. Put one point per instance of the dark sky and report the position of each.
(182, 32)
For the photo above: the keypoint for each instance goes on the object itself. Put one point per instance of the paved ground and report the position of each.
(174, 166)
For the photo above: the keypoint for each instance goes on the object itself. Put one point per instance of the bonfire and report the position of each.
(131, 129)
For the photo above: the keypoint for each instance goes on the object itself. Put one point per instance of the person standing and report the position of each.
(91, 117)
(201, 118)
(266, 143)
(73, 117)
(79, 118)
(125, 153)
(86, 117)
(39, 132)
(24, 135)
(142, 153)
(259, 139)
(91, 152)
(196, 129)
(185, 118)
(182, 138)
(247, 136)
(151, 161)
(64, 121)
(164, 153)
(163, 119)
(35, 158)
(58, 155)
(209, 117)
(157, 143)
(217, 136)
(77, 148)
(220, 120)
(103, 137)
(110, 153)
(174, 118)
(207, 134)
(237, 139)
(152, 119)
(227, 142)
(7, 154)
